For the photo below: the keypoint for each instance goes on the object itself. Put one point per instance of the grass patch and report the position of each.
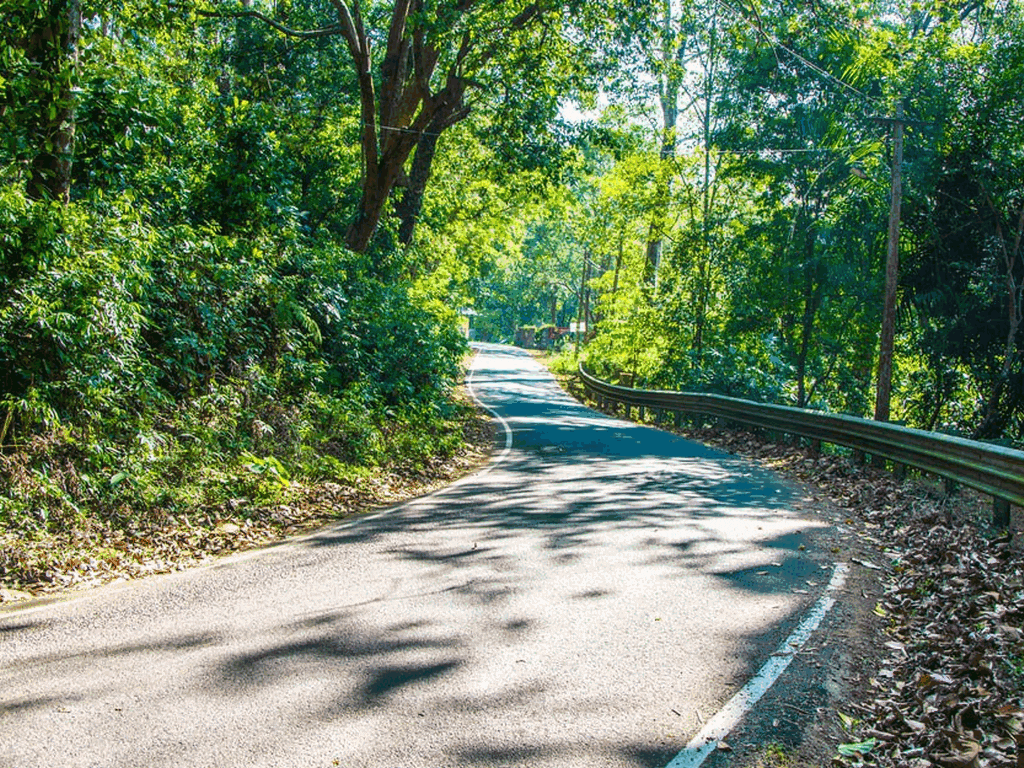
(774, 756)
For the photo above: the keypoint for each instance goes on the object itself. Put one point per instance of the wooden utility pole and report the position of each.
(581, 316)
(883, 393)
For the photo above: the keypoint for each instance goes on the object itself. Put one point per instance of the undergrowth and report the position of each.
(214, 474)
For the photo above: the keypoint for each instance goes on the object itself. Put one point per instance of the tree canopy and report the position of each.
(247, 229)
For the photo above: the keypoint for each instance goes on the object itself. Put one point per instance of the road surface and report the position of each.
(589, 599)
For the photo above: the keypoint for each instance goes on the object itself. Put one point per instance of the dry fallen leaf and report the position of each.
(966, 756)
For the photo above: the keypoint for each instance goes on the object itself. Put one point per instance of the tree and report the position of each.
(961, 266)
(669, 65)
(416, 88)
(47, 34)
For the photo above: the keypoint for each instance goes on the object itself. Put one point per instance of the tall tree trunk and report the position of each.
(53, 49)
(883, 392)
(412, 198)
(398, 114)
(618, 262)
(814, 279)
(581, 316)
(705, 253)
(1000, 404)
(384, 163)
(670, 81)
(377, 187)
(411, 204)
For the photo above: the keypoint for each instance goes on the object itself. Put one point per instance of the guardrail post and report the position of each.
(679, 419)
(643, 414)
(815, 447)
(1000, 513)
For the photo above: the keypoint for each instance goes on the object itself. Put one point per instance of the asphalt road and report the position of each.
(588, 600)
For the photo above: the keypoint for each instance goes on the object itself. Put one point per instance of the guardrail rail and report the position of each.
(991, 469)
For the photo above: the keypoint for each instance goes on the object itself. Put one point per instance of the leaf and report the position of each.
(849, 722)
(966, 756)
(930, 680)
(858, 747)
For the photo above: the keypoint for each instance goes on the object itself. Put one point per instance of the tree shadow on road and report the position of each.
(483, 612)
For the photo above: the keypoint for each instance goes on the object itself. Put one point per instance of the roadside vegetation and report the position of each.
(195, 352)
(727, 226)
(239, 242)
(933, 673)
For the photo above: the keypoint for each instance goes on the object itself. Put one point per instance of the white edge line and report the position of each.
(497, 416)
(719, 726)
(49, 602)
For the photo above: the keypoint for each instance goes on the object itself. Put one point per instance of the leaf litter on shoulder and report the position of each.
(943, 682)
(947, 691)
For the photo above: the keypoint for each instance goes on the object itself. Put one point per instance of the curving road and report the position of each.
(589, 599)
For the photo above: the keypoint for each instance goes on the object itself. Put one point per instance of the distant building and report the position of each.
(465, 316)
(530, 337)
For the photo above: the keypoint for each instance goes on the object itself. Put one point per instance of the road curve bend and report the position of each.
(591, 599)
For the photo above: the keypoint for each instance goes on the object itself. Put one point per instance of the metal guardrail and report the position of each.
(992, 469)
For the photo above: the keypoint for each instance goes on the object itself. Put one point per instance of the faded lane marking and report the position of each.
(497, 416)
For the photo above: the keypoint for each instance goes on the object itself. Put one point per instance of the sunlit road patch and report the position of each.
(592, 599)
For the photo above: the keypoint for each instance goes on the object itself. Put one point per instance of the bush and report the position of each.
(157, 371)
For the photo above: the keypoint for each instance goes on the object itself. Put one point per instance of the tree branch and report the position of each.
(301, 34)
(359, 48)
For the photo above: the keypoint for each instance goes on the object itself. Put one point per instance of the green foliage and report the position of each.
(189, 329)
(152, 356)
(188, 326)
(774, 227)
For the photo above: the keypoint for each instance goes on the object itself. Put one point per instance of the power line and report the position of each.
(813, 150)
(759, 28)
(397, 129)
